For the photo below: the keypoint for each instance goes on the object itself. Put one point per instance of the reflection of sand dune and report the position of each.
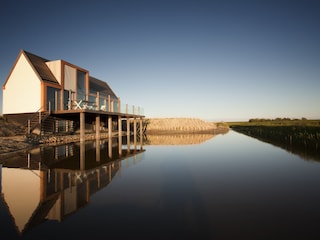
(178, 139)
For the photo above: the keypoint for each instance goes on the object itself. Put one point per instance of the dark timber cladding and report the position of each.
(85, 116)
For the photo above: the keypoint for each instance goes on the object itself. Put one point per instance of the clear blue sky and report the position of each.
(217, 60)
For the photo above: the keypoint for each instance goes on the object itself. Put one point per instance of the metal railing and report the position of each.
(105, 104)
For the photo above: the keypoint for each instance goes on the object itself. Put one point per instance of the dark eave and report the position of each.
(103, 87)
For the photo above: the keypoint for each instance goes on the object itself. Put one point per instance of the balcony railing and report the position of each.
(106, 105)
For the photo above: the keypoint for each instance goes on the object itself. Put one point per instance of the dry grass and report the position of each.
(12, 137)
(10, 129)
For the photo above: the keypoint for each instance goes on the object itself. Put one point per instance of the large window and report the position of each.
(66, 100)
(53, 98)
(81, 85)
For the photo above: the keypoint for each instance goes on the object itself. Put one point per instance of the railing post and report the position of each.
(98, 101)
(109, 103)
(70, 100)
(119, 105)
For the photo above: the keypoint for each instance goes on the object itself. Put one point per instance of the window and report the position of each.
(53, 98)
(81, 85)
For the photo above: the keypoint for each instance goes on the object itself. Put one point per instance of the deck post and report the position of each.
(128, 134)
(135, 133)
(119, 126)
(82, 127)
(128, 126)
(97, 150)
(82, 155)
(98, 126)
(120, 134)
(134, 126)
(110, 147)
(109, 127)
(141, 133)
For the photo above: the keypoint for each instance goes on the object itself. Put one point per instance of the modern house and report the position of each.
(39, 87)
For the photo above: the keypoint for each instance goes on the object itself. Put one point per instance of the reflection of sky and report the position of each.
(206, 59)
(230, 184)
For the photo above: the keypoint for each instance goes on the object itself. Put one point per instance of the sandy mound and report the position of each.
(179, 125)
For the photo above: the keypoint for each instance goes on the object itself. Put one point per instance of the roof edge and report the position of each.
(11, 70)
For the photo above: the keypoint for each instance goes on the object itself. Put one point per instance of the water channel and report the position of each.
(225, 186)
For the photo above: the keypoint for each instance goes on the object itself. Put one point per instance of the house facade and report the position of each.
(37, 84)
(55, 96)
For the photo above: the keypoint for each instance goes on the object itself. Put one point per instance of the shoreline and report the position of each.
(155, 126)
(15, 144)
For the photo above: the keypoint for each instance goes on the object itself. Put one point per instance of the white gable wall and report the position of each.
(55, 68)
(22, 91)
(21, 191)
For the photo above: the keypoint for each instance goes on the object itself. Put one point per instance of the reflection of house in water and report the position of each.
(51, 183)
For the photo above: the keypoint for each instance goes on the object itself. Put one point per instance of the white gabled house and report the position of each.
(37, 84)
(56, 96)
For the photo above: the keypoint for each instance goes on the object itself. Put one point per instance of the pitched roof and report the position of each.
(41, 67)
(102, 87)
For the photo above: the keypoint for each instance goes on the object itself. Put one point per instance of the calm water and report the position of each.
(226, 187)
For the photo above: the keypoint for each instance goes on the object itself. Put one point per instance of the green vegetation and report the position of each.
(277, 122)
(299, 136)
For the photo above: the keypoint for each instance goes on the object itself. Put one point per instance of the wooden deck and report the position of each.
(96, 117)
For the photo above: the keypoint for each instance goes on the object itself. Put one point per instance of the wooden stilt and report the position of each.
(82, 127)
(128, 134)
(109, 126)
(141, 133)
(120, 135)
(135, 133)
(97, 126)
(82, 155)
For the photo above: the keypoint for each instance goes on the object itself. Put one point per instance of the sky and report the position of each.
(220, 60)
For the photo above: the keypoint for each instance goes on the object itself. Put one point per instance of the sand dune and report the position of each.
(156, 125)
